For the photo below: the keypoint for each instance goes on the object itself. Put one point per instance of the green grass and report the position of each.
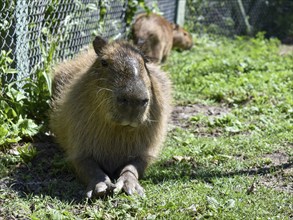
(231, 160)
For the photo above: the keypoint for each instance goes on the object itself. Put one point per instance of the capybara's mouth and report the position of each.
(129, 124)
(125, 121)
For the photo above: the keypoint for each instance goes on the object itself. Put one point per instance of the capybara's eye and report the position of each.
(104, 63)
(146, 59)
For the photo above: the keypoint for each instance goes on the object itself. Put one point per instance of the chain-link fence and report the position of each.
(228, 17)
(241, 17)
(38, 32)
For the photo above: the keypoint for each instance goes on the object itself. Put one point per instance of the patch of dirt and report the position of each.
(285, 49)
(181, 117)
(277, 158)
(182, 114)
(282, 178)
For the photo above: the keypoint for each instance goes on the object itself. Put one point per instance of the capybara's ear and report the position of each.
(98, 44)
(175, 26)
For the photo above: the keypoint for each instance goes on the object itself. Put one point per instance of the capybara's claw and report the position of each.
(100, 189)
(129, 184)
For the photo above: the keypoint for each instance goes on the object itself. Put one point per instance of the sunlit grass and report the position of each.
(236, 165)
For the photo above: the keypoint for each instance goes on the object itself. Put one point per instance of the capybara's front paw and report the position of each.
(97, 189)
(129, 183)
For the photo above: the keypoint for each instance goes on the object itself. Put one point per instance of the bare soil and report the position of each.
(282, 178)
(286, 49)
(181, 116)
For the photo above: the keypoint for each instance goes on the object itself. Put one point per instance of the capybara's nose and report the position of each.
(190, 46)
(132, 102)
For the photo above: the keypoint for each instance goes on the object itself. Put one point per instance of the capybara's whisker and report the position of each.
(104, 89)
(98, 106)
(103, 79)
(153, 121)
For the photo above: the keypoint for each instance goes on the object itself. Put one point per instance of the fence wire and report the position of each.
(227, 17)
(39, 32)
(241, 17)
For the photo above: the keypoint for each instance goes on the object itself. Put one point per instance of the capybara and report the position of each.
(109, 113)
(156, 36)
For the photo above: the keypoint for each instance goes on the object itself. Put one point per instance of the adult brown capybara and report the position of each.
(156, 36)
(109, 113)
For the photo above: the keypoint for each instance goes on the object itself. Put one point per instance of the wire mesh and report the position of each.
(227, 17)
(7, 37)
(7, 25)
(169, 9)
(241, 17)
(114, 22)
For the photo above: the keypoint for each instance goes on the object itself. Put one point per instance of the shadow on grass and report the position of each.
(167, 170)
(47, 174)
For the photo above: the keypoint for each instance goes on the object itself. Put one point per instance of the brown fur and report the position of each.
(156, 36)
(109, 113)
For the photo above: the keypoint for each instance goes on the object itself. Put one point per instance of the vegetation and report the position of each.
(13, 121)
(228, 154)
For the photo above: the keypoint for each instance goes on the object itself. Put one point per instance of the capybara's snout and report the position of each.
(132, 105)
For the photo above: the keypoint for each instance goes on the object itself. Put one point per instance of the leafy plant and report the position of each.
(132, 7)
(23, 109)
(14, 123)
(27, 152)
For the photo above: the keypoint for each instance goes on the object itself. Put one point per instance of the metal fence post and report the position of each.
(22, 47)
(180, 12)
(244, 17)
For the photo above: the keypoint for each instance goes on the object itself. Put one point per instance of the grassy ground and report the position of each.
(228, 154)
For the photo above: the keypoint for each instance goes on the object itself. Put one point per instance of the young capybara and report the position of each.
(109, 113)
(156, 36)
